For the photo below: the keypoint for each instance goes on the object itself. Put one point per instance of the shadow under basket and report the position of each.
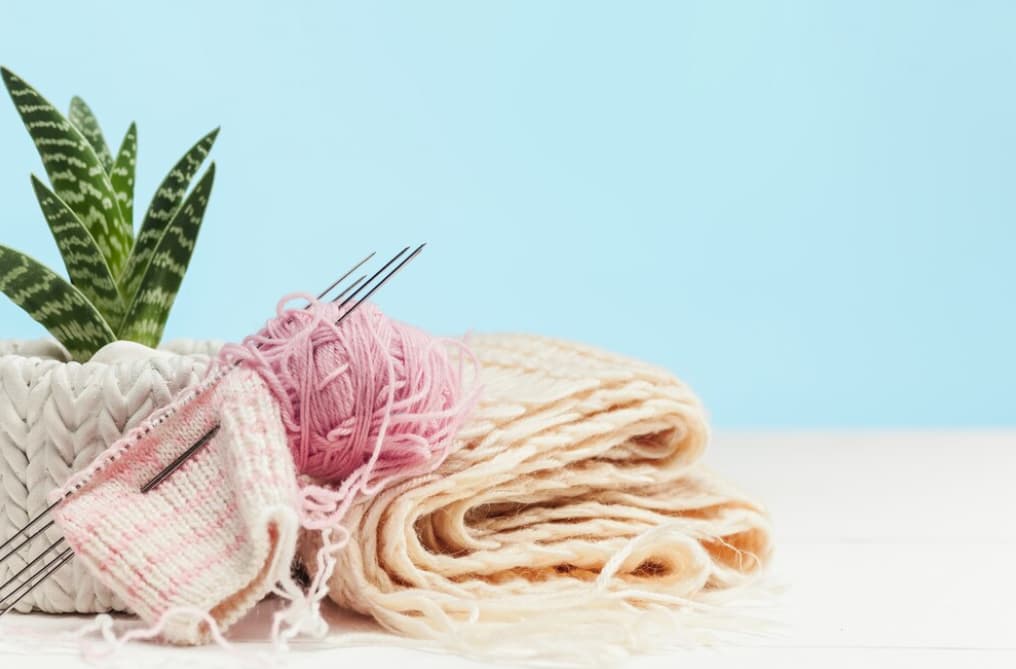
(55, 418)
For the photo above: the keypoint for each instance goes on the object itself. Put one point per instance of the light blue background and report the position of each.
(807, 210)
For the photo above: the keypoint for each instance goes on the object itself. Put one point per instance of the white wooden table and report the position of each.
(896, 549)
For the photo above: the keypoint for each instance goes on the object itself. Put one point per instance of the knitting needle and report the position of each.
(36, 580)
(344, 276)
(383, 281)
(38, 557)
(30, 537)
(24, 529)
(375, 275)
(180, 459)
(350, 287)
(61, 559)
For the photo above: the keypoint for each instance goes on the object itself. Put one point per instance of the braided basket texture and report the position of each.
(55, 417)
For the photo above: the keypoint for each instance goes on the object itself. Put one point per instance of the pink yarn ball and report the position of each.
(372, 396)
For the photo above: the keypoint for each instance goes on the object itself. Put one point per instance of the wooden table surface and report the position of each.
(895, 548)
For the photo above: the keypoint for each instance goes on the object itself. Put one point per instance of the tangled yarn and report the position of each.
(364, 404)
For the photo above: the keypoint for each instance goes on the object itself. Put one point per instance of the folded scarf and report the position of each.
(572, 510)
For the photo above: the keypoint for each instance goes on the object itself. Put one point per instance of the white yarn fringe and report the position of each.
(597, 626)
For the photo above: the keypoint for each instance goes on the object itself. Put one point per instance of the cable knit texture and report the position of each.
(58, 416)
(573, 507)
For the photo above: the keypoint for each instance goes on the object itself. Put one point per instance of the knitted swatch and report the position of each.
(215, 536)
(571, 515)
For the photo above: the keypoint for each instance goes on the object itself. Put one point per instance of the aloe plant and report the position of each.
(119, 286)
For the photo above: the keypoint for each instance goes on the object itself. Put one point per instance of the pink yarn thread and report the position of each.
(364, 404)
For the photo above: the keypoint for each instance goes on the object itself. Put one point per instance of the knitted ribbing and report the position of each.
(575, 457)
(217, 534)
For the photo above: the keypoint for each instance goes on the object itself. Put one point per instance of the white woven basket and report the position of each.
(55, 417)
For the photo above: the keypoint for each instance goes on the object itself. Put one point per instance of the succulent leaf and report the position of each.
(76, 172)
(82, 118)
(85, 265)
(147, 314)
(162, 211)
(122, 176)
(56, 304)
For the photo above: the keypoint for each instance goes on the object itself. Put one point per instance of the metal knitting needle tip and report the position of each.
(349, 288)
(31, 537)
(373, 277)
(345, 276)
(28, 566)
(383, 281)
(24, 529)
(37, 579)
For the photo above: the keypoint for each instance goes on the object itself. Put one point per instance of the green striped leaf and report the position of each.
(74, 169)
(85, 265)
(54, 303)
(161, 212)
(82, 118)
(122, 176)
(147, 314)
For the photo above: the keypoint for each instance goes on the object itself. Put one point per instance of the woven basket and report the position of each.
(55, 417)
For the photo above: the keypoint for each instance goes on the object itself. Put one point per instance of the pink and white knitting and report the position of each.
(215, 535)
(312, 416)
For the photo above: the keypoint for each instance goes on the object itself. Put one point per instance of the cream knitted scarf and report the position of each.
(573, 515)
